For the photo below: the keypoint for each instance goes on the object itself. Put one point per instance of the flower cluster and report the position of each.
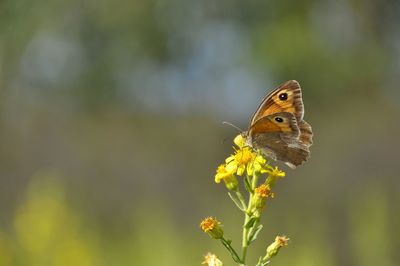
(247, 161)
(258, 177)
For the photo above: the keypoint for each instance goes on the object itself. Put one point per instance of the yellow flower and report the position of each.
(222, 173)
(263, 191)
(274, 174)
(273, 249)
(212, 227)
(226, 173)
(258, 165)
(244, 155)
(261, 194)
(212, 260)
(240, 159)
(247, 159)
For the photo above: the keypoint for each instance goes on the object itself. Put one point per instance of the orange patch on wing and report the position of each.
(277, 108)
(290, 109)
(265, 126)
(286, 128)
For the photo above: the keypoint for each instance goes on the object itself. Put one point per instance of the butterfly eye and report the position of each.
(283, 96)
(279, 119)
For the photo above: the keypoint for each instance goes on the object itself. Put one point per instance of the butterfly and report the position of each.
(277, 127)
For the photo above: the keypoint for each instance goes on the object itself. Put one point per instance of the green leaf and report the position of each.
(234, 255)
(261, 262)
(251, 222)
(236, 201)
(254, 233)
(236, 259)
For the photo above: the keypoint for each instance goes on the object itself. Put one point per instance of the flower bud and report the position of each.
(211, 260)
(273, 249)
(261, 194)
(212, 227)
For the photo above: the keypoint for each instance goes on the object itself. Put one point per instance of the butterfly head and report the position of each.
(243, 139)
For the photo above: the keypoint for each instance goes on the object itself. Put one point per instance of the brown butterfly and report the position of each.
(277, 127)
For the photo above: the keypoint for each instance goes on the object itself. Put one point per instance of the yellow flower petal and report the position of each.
(230, 159)
(275, 172)
(231, 167)
(240, 141)
(240, 170)
(226, 173)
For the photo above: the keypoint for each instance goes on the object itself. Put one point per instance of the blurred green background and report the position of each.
(110, 128)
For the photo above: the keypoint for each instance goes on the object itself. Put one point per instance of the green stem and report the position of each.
(244, 239)
(246, 220)
(254, 182)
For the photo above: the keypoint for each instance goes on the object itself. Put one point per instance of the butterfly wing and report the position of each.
(277, 136)
(285, 98)
(306, 133)
(291, 147)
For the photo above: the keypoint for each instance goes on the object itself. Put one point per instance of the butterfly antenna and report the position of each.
(232, 125)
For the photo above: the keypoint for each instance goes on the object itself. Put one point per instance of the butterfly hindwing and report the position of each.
(306, 133)
(282, 122)
(277, 136)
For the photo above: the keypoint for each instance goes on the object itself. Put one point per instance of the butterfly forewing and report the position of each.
(285, 98)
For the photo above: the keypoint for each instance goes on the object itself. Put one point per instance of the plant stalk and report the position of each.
(246, 220)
